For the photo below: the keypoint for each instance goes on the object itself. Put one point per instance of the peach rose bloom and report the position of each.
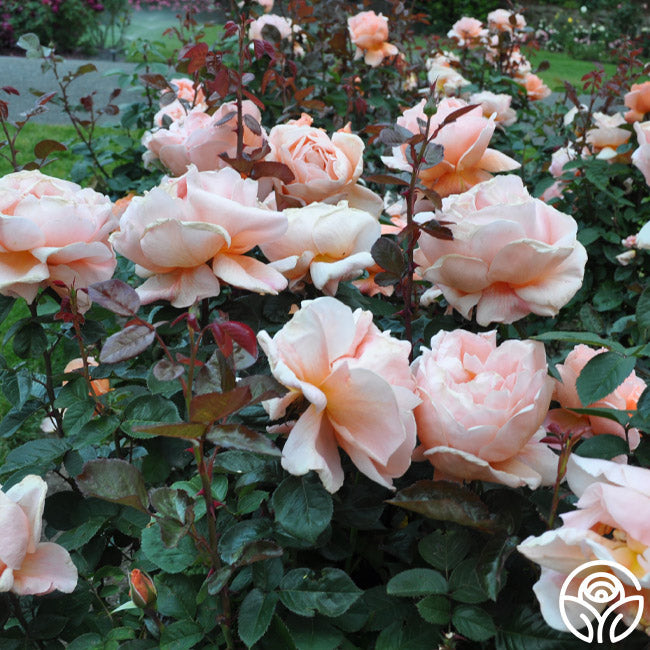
(482, 409)
(467, 31)
(359, 387)
(27, 565)
(267, 5)
(189, 234)
(559, 159)
(324, 243)
(177, 110)
(641, 156)
(283, 25)
(607, 136)
(324, 168)
(497, 105)
(536, 89)
(623, 398)
(499, 20)
(610, 523)
(51, 231)
(198, 139)
(446, 80)
(511, 255)
(467, 158)
(638, 101)
(100, 386)
(369, 32)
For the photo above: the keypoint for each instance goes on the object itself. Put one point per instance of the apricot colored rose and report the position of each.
(27, 565)
(623, 398)
(638, 101)
(177, 109)
(199, 139)
(324, 168)
(511, 255)
(641, 156)
(482, 409)
(497, 105)
(324, 243)
(359, 387)
(467, 31)
(467, 158)
(610, 523)
(369, 32)
(191, 233)
(606, 135)
(100, 386)
(536, 89)
(53, 231)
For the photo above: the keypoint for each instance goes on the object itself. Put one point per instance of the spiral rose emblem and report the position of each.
(601, 602)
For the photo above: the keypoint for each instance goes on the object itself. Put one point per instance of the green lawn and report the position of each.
(33, 133)
(564, 68)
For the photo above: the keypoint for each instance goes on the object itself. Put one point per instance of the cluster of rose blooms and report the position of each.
(500, 44)
(479, 411)
(605, 136)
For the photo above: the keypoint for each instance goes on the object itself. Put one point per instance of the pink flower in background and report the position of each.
(482, 409)
(191, 233)
(199, 139)
(497, 105)
(638, 101)
(500, 20)
(467, 158)
(27, 565)
(324, 168)
(559, 159)
(369, 32)
(283, 25)
(177, 110)
(623, 398)
(324, 243)
(53, 231)
(359, 387)
(511, 255)
(467, 31)
(610, 523)
(536, 89)
(641, 156)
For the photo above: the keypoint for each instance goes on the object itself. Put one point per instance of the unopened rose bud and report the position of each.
(142, 590)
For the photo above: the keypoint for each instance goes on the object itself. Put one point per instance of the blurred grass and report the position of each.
(564, 68)
(62, 161)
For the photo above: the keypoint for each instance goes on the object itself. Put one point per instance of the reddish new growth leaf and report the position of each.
(10, 90)
(196, 53)
(227, 332)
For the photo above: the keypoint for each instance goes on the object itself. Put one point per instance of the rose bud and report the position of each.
(142, 590)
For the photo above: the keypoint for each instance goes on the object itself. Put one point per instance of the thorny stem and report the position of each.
(407, 284)
(75, 122)
(12, 145)
(240, 72)
(49, 385)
